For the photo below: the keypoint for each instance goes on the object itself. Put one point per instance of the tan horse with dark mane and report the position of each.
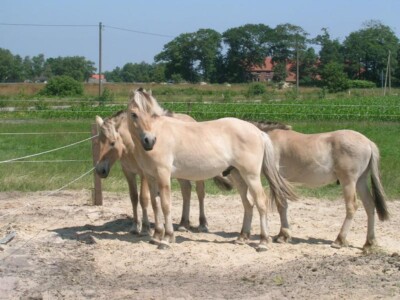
(172, 148)
(315, 160)
(116, 144)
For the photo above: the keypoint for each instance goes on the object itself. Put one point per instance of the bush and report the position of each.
(256, 89)
(62, 86)
(106, 96)
(362, 84)
(334, 79)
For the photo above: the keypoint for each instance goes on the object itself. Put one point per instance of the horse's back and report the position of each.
(320, 158)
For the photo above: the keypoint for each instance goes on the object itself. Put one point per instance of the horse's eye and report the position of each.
(134, 115)
(112, 144)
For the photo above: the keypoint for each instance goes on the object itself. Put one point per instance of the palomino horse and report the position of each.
(318, 159)
(196, 151)
(116, 144)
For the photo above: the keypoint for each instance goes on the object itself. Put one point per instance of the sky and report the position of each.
(151, 24)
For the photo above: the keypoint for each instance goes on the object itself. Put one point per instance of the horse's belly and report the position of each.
(196, 175)
(197, 172)
(309, 178)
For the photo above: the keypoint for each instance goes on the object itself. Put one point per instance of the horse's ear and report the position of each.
(150, 93)
(99, 121)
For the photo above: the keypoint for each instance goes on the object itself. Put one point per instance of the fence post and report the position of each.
(97, 194)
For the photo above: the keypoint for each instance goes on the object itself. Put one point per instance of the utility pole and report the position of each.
(297, 68)
(100, 58)
(388, 76)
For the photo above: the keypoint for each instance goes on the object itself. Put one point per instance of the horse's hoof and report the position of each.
(163, 246)
(154, 241)
(240, 241)
(371, 248)
(262, 248)
(145, 233)
(202, 228)
(280, 239)
(134, 230)
(182, 228)
(339, 243)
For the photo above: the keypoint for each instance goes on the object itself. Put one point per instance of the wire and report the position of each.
(140, 32)
(47, 25)
(42, 133)
(48, 151)
(82, 25)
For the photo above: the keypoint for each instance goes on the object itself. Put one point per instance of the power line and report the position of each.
(47, 25)
(140, 32)
(87, 25)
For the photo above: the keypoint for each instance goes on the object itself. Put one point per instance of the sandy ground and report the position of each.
(67, 249)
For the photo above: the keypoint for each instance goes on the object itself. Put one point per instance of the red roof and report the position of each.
(96, 76)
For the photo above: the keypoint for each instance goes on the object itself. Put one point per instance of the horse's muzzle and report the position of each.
(102, 169)
(148, 141)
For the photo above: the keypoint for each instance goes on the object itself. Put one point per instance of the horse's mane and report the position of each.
(147, 103)
(270, 125)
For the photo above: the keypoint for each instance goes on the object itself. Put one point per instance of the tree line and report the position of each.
(207, 55)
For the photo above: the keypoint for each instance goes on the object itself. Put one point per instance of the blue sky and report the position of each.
(168, 18)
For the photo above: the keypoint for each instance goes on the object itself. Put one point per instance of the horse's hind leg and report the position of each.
(241, 186)
(284, 235)
(186, 189)
(200, 190)
(349, 193)
(368, 202)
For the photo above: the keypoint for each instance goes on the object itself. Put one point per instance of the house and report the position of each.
(94, 78)
(265, 72)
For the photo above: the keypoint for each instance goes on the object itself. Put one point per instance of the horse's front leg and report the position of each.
(133, 194)
(164, 188)
(158, 224)
(145, 199)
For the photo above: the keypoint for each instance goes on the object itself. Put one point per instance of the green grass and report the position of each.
(40, 176)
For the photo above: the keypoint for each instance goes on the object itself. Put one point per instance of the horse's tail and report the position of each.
(378, 193)
(280, 189)
(223, 183)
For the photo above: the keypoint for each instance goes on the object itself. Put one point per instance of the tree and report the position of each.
(308, 68)
(192, 55)
(11, 67)
(366, 51)
(287, 41)
(331, 50)
(280, 72)
(247, 46)
(136, 72)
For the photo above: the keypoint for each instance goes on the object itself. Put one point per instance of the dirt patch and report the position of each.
(66, 249)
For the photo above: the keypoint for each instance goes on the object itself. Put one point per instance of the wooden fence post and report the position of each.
(97, 194)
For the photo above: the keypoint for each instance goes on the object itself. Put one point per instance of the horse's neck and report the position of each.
(121, 126)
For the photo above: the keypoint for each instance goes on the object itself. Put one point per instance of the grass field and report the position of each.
(51, 171)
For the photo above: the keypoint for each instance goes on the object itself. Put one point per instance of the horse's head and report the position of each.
(111, 145)
(143, 109)
(140, 127)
